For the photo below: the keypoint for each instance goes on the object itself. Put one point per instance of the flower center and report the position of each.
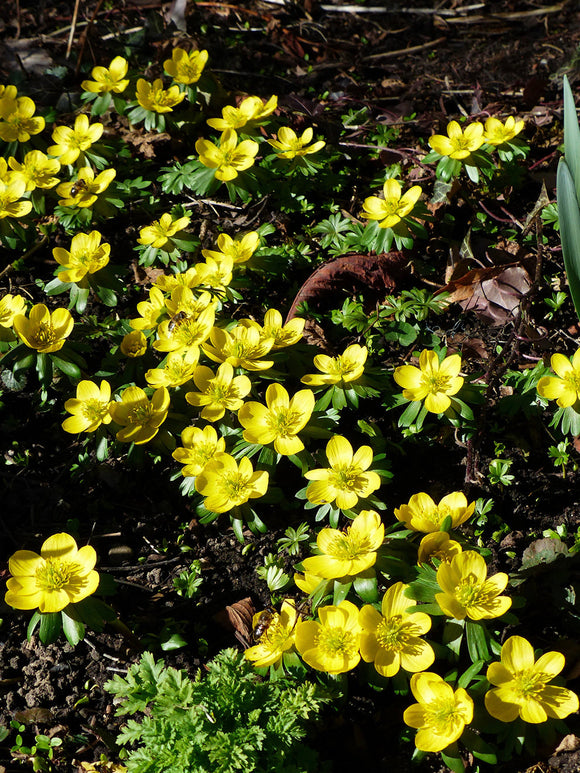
(469, 592)
(442, 716)
(54, 574)
(436, 382)
(573, 380)
(236, 488)
(335, 642)
(392, 633)
(95, 410)
(140, 414)
(528, 683)
(283, 423)
(44, 334)
(345, 479)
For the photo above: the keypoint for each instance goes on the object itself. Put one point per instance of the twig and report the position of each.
(72, 28)
(404, 51)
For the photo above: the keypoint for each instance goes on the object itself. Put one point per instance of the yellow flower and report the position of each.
(468, 592)
(219, 392)
(432, 381)
(10, 307)
(103, 766)
(240, 250)
(199, 447)
(108, 79)
(308, 583)
(72, 143)
(176, 335)
(155, 98)
(178, 369)
(185, 67)
(183, 300)
(289, 145)
(169, 282)
(89, 409)
(522, 685)
(140, 417)
(437, 545)
(441, 713)
(422, 514)
(331, 645)
(241, 347)
(160, 231)
(87, 255)
(134, 344)
(394, 207)
(61, 575)
(150, 311)
(85, 190)
(11, 193)
(7, 93)
(277, 639)
(43, 330)
(279, 422)
(564, 387)
(350, 552)
(391, 640)
(346, 481)
(226, 485)
(251, 110)
(17, 122)
(215, 274)
(458, 144)
(348, 366)
(497, 133)
(37, 170)
(274, 328)
(228, 158)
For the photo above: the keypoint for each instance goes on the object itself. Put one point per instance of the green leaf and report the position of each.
(50, 627)
(73, 629)
(68, 368)
(478, 747)
(476, 641)
(341, 590)
(569, 230)
(468, 675)
(365, 586)
(452, 759)
(571, 136)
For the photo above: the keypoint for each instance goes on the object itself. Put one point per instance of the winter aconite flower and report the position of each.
(497, 133)
(347, 479)
(37, 170)
(71, 144)
(289, 145)
(422, 514)
(185, 67)
(10, 307)
(178, 369)
(151, 312)
(139, 417)
(226, 485)
(277, 639)
(229, 158)
(393, 207)
(283, 334)
(250, 110)
(432, 381)
(86, 256)
(346, 367)
(199, 447)
(85, 190)
(279, 421)
(89, 409)
(159, 233)
(11, 204)
(241, 347)
(219, 391)
(179, 334)
(437, 545)
(391, 639)
(521, 685)
(134, 344)
(347, 552)
(108, 79)
(240, 249)
(61, 575)
(153, 97)
(564, 387)
(458, 144)
(43, 330)
(331, 644)
(468, 592)
(17, 119)
(440, 714)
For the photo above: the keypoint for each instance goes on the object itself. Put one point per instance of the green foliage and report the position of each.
(228, 720)
(188, 582)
